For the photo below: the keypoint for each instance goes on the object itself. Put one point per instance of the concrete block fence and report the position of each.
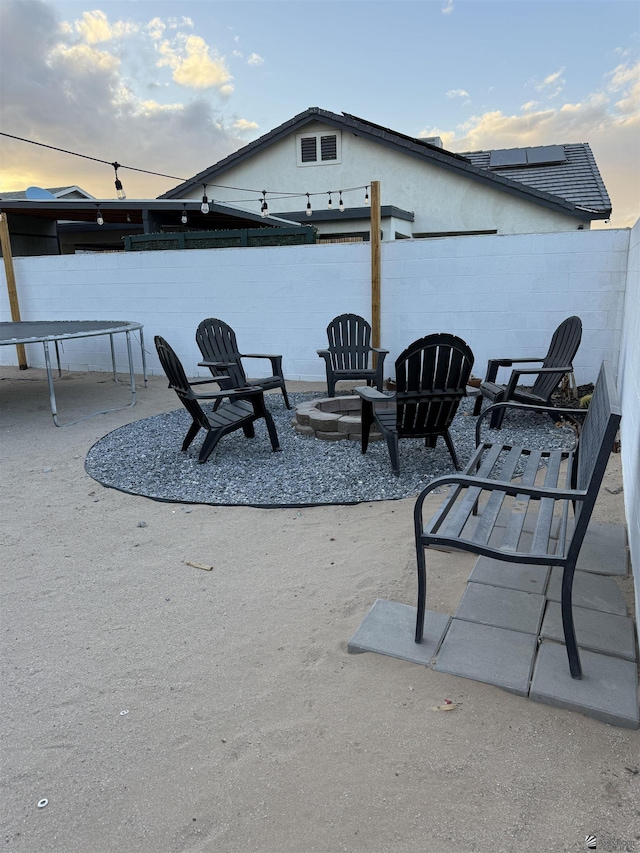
(504, 295)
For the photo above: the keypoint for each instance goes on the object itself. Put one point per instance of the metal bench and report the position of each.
(514, 503)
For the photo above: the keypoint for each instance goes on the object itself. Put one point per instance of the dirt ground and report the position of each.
(159, 707)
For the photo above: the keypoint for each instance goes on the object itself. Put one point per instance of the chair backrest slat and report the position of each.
(349, 338)
(431, 379)
(178, 381)
(562, 349)
(217, 342)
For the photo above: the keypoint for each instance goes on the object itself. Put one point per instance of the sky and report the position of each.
(173, 87)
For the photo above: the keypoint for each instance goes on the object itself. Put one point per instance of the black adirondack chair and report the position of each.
(555, 365)
(244, 406)
(349, 355)
(218, 345)
(431, 379)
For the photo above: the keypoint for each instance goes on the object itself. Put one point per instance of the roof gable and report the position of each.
(539, 191)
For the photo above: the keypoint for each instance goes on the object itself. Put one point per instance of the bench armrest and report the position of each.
(513, 489)
(529, 407)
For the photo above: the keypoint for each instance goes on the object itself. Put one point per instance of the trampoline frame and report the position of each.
(54, 331)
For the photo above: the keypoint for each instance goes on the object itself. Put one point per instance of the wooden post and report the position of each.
(5, 243)
(375, 264)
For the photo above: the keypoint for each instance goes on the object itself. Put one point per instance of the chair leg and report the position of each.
(210, 441)
(285, 395)
(249, 430)
(331, 385)
(271, 429)
(392, 444)
(477, 408)
(573, 655)
(422, 589)
(194, 429)
(452, 449)
(366, 420)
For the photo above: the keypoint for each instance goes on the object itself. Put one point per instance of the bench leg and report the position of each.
(573, 655)
(422, 591)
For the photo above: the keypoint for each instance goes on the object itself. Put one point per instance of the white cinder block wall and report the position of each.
(629, 385)
(503, 294)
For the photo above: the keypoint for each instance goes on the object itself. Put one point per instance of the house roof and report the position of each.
(577, 179)
(560, 195)
(136, 211)
(58, 192)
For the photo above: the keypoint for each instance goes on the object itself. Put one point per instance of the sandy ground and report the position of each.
(159, 707)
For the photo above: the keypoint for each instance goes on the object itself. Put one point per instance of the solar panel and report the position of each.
(540, 155)
(546, 154)
(506, 157)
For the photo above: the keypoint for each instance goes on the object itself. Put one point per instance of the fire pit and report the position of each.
(333, 419)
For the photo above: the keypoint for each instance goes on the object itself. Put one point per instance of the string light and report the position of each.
(341, 203)
(204, 207)
(119, 188)
(366, 195)
(264, 209)
(309, 211)
(183, 218)
(99, 218)
(330, 204)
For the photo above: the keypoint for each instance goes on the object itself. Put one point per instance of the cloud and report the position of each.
(447, 9)
(192, 65)
(242, 125)
(457, 93)
(255, 59)
(94, 27)
(552, 84)
(609, 120)
(58, 89)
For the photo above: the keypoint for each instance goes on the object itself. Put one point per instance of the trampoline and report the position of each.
(54, 331)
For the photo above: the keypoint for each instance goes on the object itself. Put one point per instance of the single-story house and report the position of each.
(318, 167)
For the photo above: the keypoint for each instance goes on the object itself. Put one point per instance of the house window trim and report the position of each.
(318, 137)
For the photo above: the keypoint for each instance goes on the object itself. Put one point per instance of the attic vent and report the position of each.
(329, 147)
(308, 149)
(316, 149)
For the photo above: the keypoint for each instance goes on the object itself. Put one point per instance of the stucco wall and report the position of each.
(441, 199)
(503, 295)
(629, 385)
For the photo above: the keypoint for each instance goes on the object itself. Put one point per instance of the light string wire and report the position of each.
(275, 194)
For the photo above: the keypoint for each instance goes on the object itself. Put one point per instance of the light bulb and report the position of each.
(99, 218)
(119, 189)
(264, 209)
(183, 218)
(330, 203)
(341, 203)
(204, 207)
(309, 211)
(366, 196)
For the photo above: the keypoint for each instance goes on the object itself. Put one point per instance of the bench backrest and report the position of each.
(431, 379)
(596, 442)
(349, 338)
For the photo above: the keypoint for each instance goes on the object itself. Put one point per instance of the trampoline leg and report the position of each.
(52, 396)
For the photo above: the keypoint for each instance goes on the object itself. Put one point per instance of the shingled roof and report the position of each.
(577, 180)
(560, 195)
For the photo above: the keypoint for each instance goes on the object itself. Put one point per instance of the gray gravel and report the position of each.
(144, 458)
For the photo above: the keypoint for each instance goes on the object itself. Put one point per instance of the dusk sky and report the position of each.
(174, 87)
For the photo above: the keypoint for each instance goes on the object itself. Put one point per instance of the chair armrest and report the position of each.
(513, 379)
(248, 391)
(217, 364)
(529, 407)
(380, 351)
(257, 355)
(494, 363)
(372, 395)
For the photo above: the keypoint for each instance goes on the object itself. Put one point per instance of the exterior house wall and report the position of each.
(441, 200)
(629, 385)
